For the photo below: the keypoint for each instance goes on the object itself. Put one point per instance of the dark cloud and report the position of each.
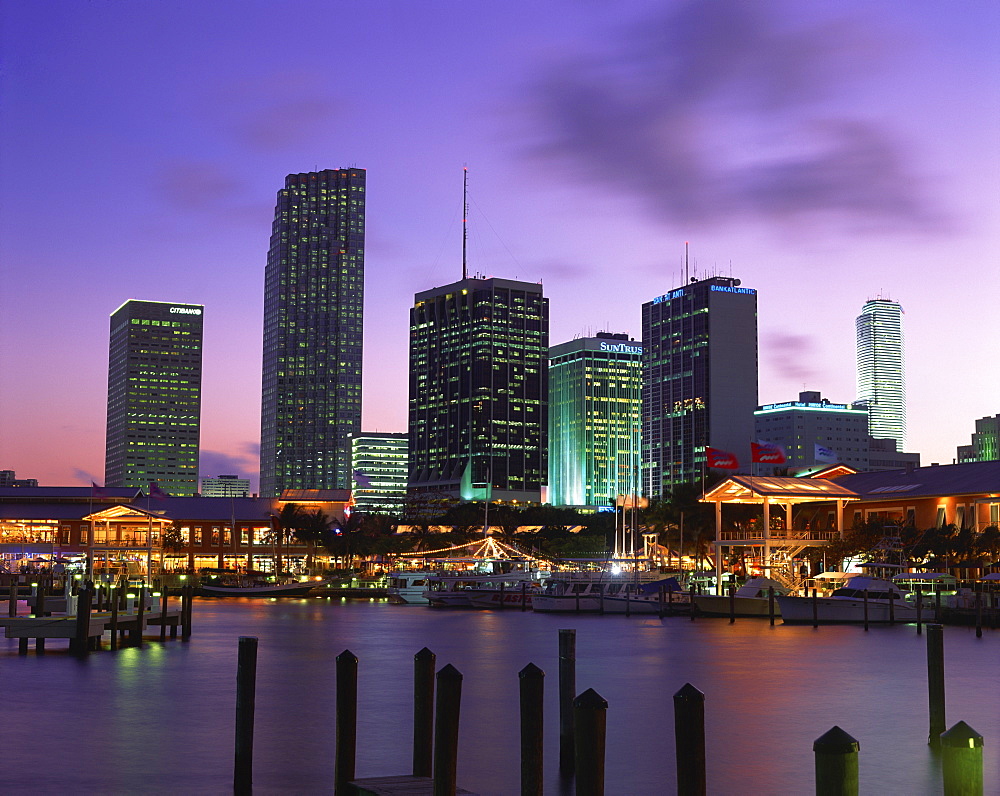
(197, 185)
(244, 463)
(719, 111)
(790, 354)
(286, 122)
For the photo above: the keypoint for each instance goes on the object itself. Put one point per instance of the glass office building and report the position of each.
(595, 397)
(881, 378)
(154, 396)
(313, 304)
(380, 464)
(478, 389)
(699, 386)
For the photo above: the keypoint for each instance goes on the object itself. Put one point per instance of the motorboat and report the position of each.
(581, 592)
(750, 599)
(458, 590)
(408, 587)
(252, 585)
(848, 603)
(652, 597)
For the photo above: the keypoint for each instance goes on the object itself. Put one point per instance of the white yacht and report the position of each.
(847, 603)
(750, 599)
(408, 587)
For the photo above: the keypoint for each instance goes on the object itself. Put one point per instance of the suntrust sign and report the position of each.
(621, 348)
(185, 311)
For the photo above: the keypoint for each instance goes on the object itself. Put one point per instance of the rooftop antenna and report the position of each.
(465, 219)
(686, 274)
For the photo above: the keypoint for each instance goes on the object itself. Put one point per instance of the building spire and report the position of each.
(465, 221)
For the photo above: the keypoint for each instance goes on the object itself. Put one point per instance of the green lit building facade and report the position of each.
(380, 466)
(313, 304)
(478, 424)
(154, 396)
(595, 400)
(699, 384)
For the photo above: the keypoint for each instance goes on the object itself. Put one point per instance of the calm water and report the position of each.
(159, 719)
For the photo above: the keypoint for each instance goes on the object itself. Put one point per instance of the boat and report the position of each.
(581, 592)
(847, 603)
(407, 587)
(750, 599)
(652, 597)
(458, 590)
(255, 585)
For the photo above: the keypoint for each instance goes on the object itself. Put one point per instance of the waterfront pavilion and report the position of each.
(777, 538)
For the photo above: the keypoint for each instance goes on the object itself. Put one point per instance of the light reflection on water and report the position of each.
(160, 719)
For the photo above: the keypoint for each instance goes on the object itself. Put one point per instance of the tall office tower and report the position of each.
(595, 398)
(699, 382)
(154, 396)
(313, 300)
(881, 376)
(380, 463)
(478, 390)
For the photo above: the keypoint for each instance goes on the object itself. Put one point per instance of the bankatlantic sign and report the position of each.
(185, 311)
(621, 348)
(727, 289)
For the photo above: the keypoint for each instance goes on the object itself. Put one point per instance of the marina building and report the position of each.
(379, 466)
(699, 385)
(313, 305)
(595, 401)
(154, 396)
(881, 373)
(478, 424)
(985, 445)
(225, 486)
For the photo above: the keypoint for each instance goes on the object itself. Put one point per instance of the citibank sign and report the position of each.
(621, 348)
(185, 311)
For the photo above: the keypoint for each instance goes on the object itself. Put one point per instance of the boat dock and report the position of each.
(125, 615)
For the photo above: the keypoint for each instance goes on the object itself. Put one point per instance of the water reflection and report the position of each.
(160, 719)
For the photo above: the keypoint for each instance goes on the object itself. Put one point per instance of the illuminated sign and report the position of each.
(185, 311)
(667, 296)
(729, 289)
(621, 348)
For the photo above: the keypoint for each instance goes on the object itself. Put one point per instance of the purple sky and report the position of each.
(823, 152)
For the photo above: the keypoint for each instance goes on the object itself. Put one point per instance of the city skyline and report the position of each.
(827, 154)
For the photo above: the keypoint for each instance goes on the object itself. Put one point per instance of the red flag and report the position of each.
(766, 453)
(721, 460)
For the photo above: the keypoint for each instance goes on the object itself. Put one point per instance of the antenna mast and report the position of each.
(686, 275)
(465, 220)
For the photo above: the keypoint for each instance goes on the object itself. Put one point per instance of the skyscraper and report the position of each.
(699, 384)
(478, 390)
(881, 376)
(313, 300)
(595, 397)
(154, 396)
(380, 463)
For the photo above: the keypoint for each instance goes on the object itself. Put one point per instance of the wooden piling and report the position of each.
(567, 692)
(532, 694)
(836, 756)
(114, 620)
(732, 604)
(590, 714)
(865, 596)
(81, 641)
(140, 616)
(346, 723)
(962, 761)
(770, 604)
(979, 614)
(920, 608)
(935, 683)
(689, 740)
(449, 701)
(12, 605)
(423, 713)
(892, 607)
(524, 597)
(502, 593)
(815, 609)
(40, 598)
(187, 600)
(246, 691)
(163, 614)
